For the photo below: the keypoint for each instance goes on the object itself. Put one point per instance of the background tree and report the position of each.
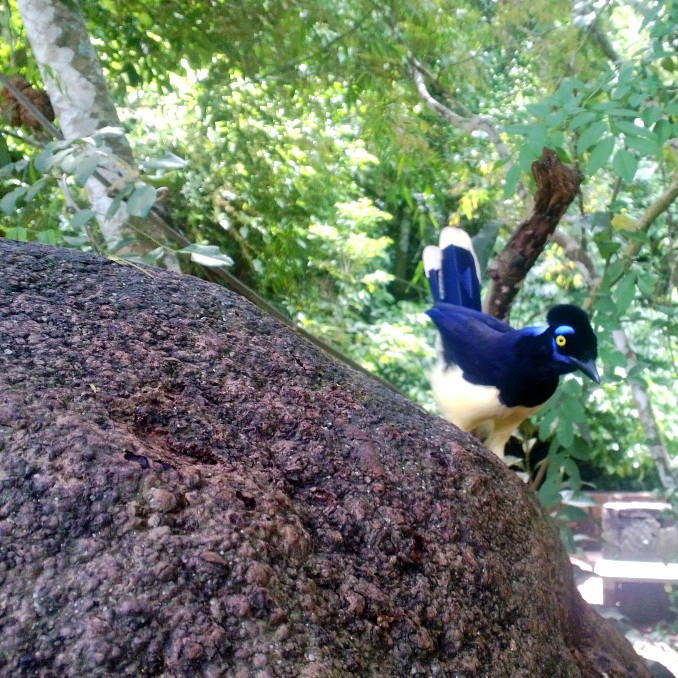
(101, 158)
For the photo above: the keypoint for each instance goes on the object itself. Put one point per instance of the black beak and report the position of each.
(588, 367)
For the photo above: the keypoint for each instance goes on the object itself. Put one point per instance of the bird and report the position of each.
(489, 377)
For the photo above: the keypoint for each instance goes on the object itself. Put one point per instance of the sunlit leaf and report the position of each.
(141, 200)
(625, 291)
(85, 168)
(590, 136)
(625, 165)
(8, 204)
(600, 154)
(207, 255)
(80, 218)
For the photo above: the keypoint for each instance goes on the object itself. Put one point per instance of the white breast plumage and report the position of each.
(475, 408)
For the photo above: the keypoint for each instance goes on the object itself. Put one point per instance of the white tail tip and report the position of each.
(451, 235)
(431, 258)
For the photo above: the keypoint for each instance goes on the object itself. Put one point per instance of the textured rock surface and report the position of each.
(188, 488)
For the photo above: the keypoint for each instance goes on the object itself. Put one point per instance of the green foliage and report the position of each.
(293, 143)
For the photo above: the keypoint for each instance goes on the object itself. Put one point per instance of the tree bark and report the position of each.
(188, 487)
(79, 95)
(557, 187)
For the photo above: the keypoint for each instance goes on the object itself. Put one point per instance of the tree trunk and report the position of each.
(557, 187)
(402, 254)
(79, 95)
(188, 487)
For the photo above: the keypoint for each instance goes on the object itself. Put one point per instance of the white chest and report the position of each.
(476, 409)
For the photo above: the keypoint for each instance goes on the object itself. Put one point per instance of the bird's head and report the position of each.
(575, 346)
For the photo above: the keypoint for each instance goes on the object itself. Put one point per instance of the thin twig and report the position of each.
(25, 140)
(536, 481)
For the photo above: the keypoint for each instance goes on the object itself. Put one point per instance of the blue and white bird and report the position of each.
(489, 376)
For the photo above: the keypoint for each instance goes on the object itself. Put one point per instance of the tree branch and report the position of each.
(557, 187)
(653, 211)
(603, 42)
(642, 225)
(471, 123)
(574, 252)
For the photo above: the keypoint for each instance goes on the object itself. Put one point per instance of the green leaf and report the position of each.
(142, 199)
(555, 119)
(645, 146)
(35, 189)
(582, 119)
(570, 467)
(607, 247)
(115, 205)
(631, 130)
(556, 139)
(590, 136)
(536, 138)
(646, 284)
(612, 358)
(169, 161)
(549, 492)
(625, 165)
(650, 115)
(635, 374)
(75, 241)
(521, 128)
(117, 200)
(43, 160)
(614, 271)
(622, 113)
(564, 433)
(572, 514)
(80, 218)
(663, 131)
(579, 450)
(538, 109)
(600, 154)
(573, 410)
(625, 291)
(567, 538)
(48, 237)
(604, 106)
(545, 424)
(526, 157)
(651, 14)
(5, 155)
(17, 233)
(484, 241)
(9, 200)
(207, 255)
(512, 179)
(85, 169)
(154, 256)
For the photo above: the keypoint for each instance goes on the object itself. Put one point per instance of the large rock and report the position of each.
(187, 487)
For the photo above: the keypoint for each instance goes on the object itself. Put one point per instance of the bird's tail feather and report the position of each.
(452, 269)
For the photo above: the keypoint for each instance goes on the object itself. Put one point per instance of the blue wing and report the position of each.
(477, 342)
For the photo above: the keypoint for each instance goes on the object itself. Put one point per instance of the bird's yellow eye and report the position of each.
(560, 340)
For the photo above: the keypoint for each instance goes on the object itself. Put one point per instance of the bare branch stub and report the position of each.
(557, 187)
